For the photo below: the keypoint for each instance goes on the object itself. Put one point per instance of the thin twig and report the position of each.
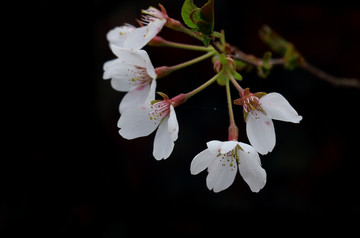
(213, 44)
(336, 81)
(253, 60)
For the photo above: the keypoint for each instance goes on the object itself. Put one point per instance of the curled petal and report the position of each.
(220, 147)
(201, 161)
(278, 108)
(250, 167)
(118, 35)
(137, 58)
(214, 146)
(138, 38)
(173, 125)
(152, 92)
(163, 144)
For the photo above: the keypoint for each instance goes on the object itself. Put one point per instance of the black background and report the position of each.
(65, 170)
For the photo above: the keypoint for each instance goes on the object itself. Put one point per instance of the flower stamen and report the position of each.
(150, 15)
(159, 110)
(249, 101)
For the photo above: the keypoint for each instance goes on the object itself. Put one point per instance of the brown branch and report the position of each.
(213, 44)
(336, 81)
(251, 59)
(257, 62)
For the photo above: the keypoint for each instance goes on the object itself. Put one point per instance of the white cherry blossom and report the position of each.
(130, 37)
(142, 120)
(222, 159)
(259, 110)
(131, 72)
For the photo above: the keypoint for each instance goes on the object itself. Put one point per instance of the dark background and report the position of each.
(65, 170)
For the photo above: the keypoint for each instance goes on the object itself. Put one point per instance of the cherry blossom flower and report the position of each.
(131, 72)
(222, 159)
(142, 120)
(130, 37)
(259, 111)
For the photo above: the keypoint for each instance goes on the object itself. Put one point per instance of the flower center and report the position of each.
(231, 157)
(140, 77)
(249, 103)
(150, 15)
(159, 110)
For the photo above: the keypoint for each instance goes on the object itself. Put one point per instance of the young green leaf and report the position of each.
(206, 25)
(187, 12)
(236, 75)
(195, 16)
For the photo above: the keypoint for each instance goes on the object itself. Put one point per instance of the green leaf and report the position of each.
(195, 16)
(236, 75)
(240, 65)
(199, 18)
(206, 24)
(188, 9)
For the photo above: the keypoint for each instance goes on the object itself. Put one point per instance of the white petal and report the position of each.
(137, 39)
(118, 35)
(250, 168)
(130, 57)
(227, 146)
(201, 161)
(134, 97)
(278, 108)
(152, 92)
(142, 35)
(135, 122)
(173, 125)
(222, 173)
(148, 65)
(260, 131)
(116, 70)
(107, 65)
(127, 79)
(214, 146)
(163, 144)
(155, 27)
(131, 70)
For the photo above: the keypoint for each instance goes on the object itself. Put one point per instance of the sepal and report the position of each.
(163, 95)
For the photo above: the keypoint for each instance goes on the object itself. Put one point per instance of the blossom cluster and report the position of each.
(141, 114)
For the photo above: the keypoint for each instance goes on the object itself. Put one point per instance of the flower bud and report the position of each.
(217, 66)
(231, 62)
